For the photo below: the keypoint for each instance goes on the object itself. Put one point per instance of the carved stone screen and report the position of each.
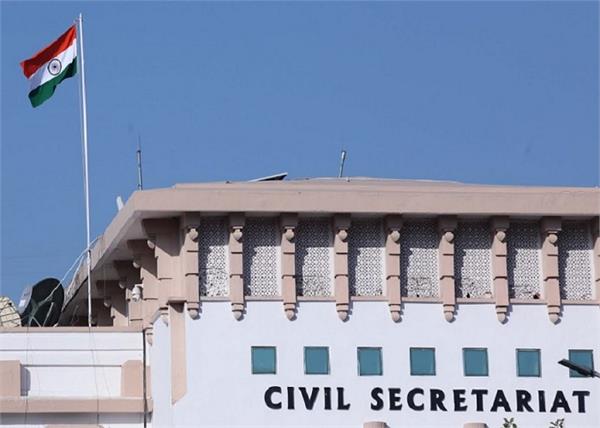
(472, 260)
(575, 261)
(213, 270)
(419, 243)
(524, 260)
(314, 264)
(261, 257)
(366, 258)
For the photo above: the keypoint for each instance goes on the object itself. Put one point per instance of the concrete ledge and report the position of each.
(123, 329)
(73, 405)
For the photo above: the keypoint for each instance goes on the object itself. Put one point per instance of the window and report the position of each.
(581, 357)
(422, 361)
(475, 361)
(316, 360)
(528, 363)
(263, 360)
(369, 362)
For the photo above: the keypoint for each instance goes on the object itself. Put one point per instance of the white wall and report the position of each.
(223, 392)
(71, 364)
(58, 363)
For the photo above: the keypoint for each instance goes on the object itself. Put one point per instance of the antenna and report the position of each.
(342, 160)
(138, 153)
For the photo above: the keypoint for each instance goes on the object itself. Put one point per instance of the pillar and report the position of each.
(236, 264)
(288, 264)
(393, 224)
(499, 226)
(189, 257)
(145, 261)
(596, 243)
(551, 226)
(446, 227)
(341, 224)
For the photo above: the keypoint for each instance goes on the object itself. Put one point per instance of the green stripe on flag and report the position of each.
(45, 91)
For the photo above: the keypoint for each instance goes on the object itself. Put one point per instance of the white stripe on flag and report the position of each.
(42, 75)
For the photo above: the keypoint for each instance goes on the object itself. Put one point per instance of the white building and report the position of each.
(325, 302)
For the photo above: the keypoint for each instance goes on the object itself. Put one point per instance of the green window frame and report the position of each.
(264, 359)
(369, 361)
(475, 362)
(316, 360)
(422, 361)
(582, 357)
(529, 363)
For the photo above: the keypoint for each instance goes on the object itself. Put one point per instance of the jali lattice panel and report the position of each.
(575, 261)
(472, 260)
(366, 258)
(213, 269)
(419, 243)
(314, 264)
(524, 260)
(261, 257)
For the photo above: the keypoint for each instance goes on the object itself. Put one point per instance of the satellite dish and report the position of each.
(41, 304)
(9, 317)
(275, 177)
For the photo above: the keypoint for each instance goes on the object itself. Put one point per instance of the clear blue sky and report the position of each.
(481, 92)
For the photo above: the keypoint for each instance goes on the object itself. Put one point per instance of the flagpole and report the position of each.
(85, 168)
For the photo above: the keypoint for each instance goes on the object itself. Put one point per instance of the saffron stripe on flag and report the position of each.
(31, 65)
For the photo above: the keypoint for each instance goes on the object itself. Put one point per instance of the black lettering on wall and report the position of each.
(410, 399)
(581, 400)
(541, 401)
(479, 393)
(500, 401)
(376, 394)
(269, 397)
(459, 400)
(395, 399)
(309, 401)
(560, 401)
(340, 397)
(290, 397)
(437, 399)
(523, 399)
(327, 395)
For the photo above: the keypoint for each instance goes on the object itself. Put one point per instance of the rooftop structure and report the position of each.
(355, 301)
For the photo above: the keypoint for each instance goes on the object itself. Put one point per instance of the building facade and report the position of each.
(351, 302)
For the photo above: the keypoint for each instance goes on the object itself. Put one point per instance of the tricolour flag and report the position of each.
(50, 66)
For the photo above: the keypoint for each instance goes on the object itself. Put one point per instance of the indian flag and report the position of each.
(50, 66)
